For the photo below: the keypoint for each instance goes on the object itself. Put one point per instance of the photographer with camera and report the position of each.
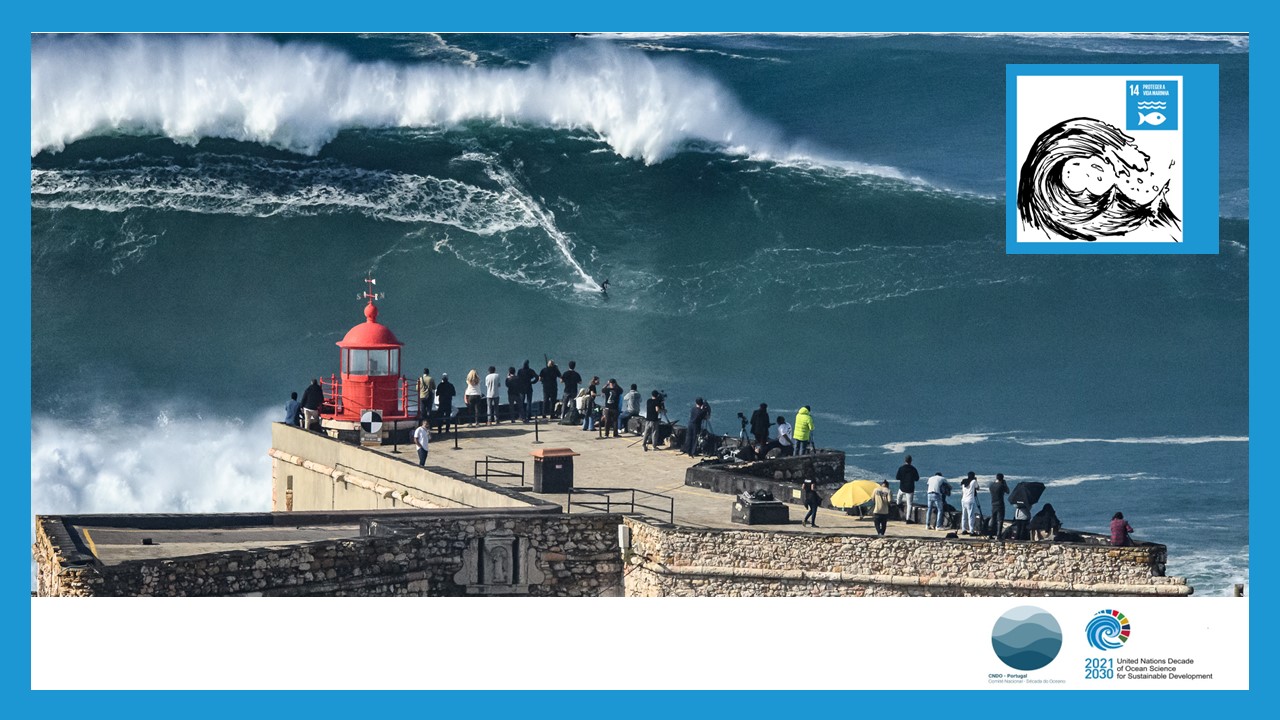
(654, 408)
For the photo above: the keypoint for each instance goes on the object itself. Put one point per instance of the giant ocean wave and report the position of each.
(298, 96)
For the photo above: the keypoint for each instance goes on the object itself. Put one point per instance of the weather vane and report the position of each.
(368, 293)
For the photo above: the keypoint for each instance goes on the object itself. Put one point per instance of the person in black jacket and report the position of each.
(652, 412)
(811, 501)
(999, 493)
(312, 399)
(612, 404)
(1045, 524)
(444, 400)
(907, 478)
(697, 416)
(549, 377)
(528, 378)
(760, 424)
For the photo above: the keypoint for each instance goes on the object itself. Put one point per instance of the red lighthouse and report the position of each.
(369, 375)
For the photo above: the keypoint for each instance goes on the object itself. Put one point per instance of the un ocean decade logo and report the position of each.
(1026, 638)
(1108, 630)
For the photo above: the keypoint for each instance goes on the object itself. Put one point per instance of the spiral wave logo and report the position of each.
(1108, 630)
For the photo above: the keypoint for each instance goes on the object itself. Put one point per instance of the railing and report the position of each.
(406, 402)
(607, 504)
(489, 471)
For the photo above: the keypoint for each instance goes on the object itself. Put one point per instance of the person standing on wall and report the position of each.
(812, 501)
(880, 502)
(760, 424)
(421, 439)
(426, 394)
(999, 493)
(492, 383)
(907, 478)
(549, 377)
(804, 431)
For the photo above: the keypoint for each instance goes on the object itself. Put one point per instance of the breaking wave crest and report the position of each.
(298, 96)
(174, 463)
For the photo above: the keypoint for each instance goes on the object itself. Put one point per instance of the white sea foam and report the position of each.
(972, 438)
(1079, 479)
(845, 420)
(175, 463)
(1133, 42)
(1160, 440)
(298, 96)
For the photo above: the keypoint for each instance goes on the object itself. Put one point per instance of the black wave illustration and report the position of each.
(1045, 203)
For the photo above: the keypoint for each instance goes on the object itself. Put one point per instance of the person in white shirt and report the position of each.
(936, 500)
(784, 437)
(969, 505)
(421, 438)
(492, 383)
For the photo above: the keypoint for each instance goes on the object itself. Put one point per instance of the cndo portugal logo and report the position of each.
(1026, 638)
(1108, 630)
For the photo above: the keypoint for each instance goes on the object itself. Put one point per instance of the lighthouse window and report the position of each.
(373, 362)
(378, 362)
(359, 364)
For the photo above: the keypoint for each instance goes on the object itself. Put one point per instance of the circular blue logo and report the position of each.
(1108, 630)
(1026, 638)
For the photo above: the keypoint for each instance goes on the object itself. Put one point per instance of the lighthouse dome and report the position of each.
(370, 333)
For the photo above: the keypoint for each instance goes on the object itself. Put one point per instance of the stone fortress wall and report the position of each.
(677, 561)
(451, 554)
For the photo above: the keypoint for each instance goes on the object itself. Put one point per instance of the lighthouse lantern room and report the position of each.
(369, 375)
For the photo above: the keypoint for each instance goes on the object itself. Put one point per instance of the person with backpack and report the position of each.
(812, 501)
(880, 507)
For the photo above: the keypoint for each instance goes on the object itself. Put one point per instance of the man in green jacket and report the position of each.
(803, 432)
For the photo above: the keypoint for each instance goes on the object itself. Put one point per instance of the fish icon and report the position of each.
(1153, 118)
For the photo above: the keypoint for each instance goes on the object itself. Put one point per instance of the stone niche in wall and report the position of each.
(499, 563)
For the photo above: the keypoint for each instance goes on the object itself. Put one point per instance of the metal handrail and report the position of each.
(607, 505)
(490, 472)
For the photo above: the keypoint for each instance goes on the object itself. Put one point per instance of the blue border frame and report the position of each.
(504, 15)
(1199, 153)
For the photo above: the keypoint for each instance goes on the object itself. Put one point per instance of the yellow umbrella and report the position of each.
(853, 493)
